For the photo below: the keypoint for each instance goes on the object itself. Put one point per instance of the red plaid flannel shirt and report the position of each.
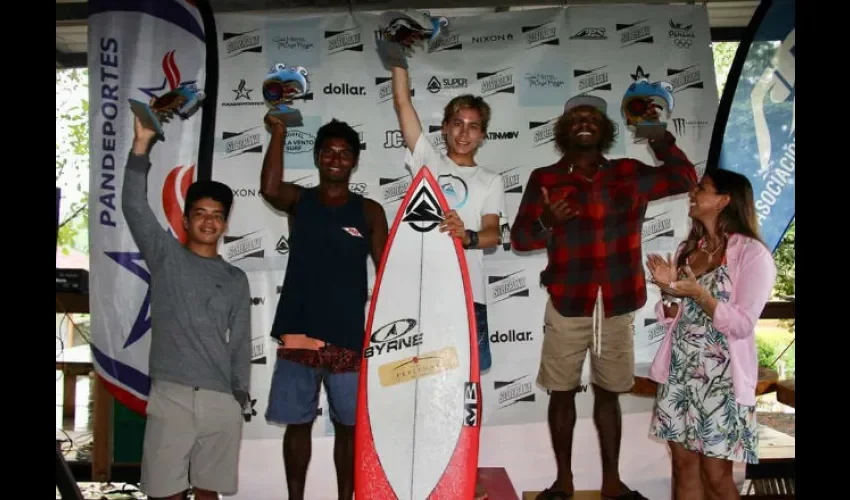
(602, 246)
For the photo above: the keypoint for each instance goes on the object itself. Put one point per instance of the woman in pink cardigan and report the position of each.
(706, 367)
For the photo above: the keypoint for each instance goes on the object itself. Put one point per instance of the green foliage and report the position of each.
(72, 156)
(724, 53)
(785, 263)
(767, 352)
(769, 349)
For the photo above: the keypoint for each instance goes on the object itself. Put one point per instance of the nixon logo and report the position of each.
(501, 37)
(344, 89)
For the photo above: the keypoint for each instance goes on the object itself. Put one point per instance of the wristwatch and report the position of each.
(473, 239)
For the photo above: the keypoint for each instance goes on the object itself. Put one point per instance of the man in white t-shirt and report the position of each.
(473, 193)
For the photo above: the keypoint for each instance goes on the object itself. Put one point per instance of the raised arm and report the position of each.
(674, 176)
(150, 237)
(527, 232)
(408, 120)
(279, 194)
(240, 339)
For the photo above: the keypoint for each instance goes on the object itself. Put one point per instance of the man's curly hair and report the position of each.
(606, 138)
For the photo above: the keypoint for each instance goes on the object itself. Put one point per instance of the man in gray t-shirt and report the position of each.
(200, 354)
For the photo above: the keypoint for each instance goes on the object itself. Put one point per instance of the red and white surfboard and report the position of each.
(419, 407)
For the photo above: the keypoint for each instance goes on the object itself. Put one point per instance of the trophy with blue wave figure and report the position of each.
(281, 86)
(647, 106)
(401, 30)
(183, 101)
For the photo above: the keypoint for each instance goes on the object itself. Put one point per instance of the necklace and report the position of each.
(702, 247)
(704, 244)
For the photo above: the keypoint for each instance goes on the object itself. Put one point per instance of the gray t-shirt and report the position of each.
(200, 306)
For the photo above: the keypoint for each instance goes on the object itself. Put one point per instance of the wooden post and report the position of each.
(101, 460)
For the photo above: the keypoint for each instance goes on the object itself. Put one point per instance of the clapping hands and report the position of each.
(666, 276)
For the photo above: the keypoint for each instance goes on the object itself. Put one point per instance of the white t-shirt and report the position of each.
(472, 192)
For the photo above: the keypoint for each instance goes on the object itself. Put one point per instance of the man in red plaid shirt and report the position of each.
(587, 211)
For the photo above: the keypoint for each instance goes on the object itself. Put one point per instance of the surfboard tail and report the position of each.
(370, 481)
(458, 481)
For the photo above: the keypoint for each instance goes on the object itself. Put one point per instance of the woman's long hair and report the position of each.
(738, 217)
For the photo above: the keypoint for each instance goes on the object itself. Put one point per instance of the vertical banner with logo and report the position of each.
(526, 64)
(137, 50)
(755, 132)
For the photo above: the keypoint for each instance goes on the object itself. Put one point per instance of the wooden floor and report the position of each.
(579, 495)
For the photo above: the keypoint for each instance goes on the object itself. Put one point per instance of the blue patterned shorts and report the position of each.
(484, 357)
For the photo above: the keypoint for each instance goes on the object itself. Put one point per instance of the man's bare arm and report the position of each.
(490, 233)
(279, 194)
(408, 120)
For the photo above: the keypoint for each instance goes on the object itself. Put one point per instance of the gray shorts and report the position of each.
(192, 437)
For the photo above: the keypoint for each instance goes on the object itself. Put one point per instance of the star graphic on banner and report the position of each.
(639, 74)
(242, 92)
(153, 92)
(142, 324)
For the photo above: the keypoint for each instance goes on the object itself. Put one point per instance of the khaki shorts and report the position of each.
(192, 436)
(566, 341)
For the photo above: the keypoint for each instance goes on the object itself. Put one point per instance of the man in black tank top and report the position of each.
(321, 314)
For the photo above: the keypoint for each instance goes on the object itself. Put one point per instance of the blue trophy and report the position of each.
(647, 105)
(404, 29)
(282, 85)
(184, 100)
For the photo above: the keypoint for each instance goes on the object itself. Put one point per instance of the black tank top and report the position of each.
(325, 288)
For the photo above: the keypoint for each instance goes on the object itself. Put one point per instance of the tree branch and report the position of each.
(72, 216)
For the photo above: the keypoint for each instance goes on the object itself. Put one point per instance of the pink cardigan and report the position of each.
(753, 273)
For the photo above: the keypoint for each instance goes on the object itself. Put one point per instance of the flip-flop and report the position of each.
(553, 493)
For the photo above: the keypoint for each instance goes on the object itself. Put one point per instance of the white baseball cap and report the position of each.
(587, 100)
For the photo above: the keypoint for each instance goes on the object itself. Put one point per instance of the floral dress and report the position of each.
(696, 407)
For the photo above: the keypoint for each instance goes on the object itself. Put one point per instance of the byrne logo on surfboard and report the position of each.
(393, 337)
(423, 213)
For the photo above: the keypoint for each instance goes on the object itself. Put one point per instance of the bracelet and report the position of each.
(545, 228)
(669, 300)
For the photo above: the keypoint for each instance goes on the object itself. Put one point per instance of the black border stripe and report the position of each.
(210, 105)
(725, 105)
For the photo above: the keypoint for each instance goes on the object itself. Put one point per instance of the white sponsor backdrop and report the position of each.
(526, 64)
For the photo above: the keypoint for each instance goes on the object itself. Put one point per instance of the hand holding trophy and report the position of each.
(183, 101)
(646, 106)
(401, 31)
(281, 86)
